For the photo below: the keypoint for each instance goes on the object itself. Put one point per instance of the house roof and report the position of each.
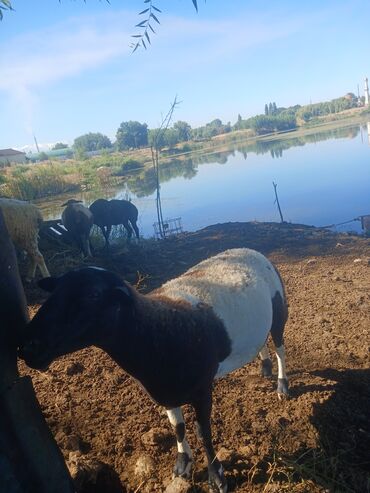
(10, 152)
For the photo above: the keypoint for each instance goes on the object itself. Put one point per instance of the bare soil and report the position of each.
(317, 441)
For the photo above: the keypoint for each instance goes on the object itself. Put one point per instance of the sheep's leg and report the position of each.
(184, 459)
(106, 232)
(31, 269)
(203, 407)
(266, 363)
(85, 246)
(283, 386)
(37, 260)
(127, 228)
(280, 315)
(136, 229)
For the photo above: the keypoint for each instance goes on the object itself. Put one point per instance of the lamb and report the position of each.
(213, 319)
(78, 220)
(112, 212)
(23, 221)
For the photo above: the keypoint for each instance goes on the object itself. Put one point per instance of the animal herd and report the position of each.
(24, 220)
(175, 341)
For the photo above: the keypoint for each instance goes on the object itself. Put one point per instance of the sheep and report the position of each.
(78, 220)
(206, 323)
(112, 212)
(23, 221)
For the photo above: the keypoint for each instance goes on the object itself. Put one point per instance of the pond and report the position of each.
(323, 178)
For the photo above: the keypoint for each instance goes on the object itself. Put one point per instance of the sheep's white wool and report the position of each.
(23, 221)
(239, 285)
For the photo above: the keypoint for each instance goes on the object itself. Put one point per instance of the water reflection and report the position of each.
(144, 184)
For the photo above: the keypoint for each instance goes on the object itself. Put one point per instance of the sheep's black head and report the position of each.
(82, 310)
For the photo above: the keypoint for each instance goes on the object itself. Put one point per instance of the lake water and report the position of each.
(323, 178)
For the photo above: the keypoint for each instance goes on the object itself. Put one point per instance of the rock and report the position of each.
(156, 437)
(311, 261)
(225, 455)
(178, 485)
(93, 476)
(73, 443)
(74, 369)
(144, 467)
(247, 450)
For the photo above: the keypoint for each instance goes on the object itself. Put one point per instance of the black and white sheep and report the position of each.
(108, 213)
(23, 221)
(213, 319)
(78, 221)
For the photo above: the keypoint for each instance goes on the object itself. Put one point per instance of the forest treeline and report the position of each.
(134, 134)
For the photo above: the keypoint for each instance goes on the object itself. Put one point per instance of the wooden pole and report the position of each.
(277, 201)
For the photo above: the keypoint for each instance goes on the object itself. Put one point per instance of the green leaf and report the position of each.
(150, 27)
(147, 37)
(155, 8)
(142, 23)
(143, 11)
(143, 43)
(154, 17)
(136, 47)
(195, 5)
(136, 36)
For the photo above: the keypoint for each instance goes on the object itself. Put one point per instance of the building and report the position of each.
(8, 156)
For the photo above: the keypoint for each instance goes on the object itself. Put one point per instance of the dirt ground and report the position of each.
(317, 441)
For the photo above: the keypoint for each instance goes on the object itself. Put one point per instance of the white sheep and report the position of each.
(213, 319)
(23, 221)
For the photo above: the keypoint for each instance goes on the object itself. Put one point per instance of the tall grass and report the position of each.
(42, 181)
(35, 181)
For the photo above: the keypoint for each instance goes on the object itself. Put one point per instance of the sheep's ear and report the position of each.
(48, 283)
(122, 294)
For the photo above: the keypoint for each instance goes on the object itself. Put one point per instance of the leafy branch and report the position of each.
(5, 5)
(147, 24)
(151, 11)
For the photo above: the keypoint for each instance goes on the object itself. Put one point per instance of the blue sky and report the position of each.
(66, 68)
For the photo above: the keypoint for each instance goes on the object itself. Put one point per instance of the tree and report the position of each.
(183, 129)
(266, 110)
(270, 109)
(92, 142)
(274, 108)
(132, 134)
(238, 124)
(59, 145)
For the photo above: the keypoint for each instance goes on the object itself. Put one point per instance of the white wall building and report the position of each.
(8, 156)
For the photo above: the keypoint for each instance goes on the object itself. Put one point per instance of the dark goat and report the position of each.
(108, 213)
(78, 220)
(213, 319)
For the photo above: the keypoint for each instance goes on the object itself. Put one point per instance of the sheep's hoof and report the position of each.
(183, 466)
(217, 482)
(283, 388)
(266, 368)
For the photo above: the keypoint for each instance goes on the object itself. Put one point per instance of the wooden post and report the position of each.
(277, 201)
(30, 461)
